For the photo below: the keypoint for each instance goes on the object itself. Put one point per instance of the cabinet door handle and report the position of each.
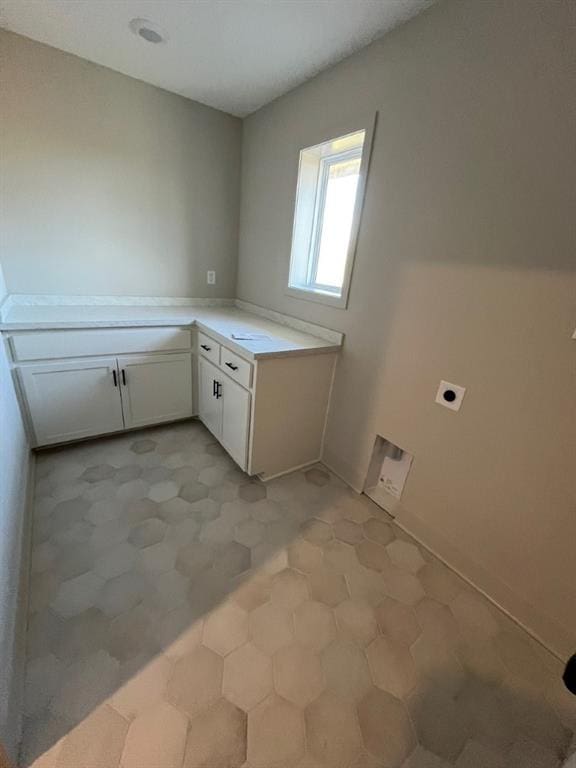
(232, 367)
(115, 379)
(214, 387)
(205, 347)
(218, 390)
(123, 377)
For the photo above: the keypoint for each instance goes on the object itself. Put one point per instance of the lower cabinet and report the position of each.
(155, 388)
(224, 407)
(71, 400)
(75, 399)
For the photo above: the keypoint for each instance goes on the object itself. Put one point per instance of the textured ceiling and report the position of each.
(235, 55)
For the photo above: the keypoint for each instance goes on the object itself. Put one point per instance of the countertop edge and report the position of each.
(324, 348)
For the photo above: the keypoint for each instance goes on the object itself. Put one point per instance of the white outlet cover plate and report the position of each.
(458, 391)
(211, 277)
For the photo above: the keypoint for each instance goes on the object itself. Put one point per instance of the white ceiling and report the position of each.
(235, 55)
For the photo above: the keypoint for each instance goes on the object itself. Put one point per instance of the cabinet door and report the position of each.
(209, 404)
(68, 401)
(235, 420)
(155, 388)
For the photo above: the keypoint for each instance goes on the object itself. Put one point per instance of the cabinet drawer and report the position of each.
(46, 345)
(208, 348)
(236, 367)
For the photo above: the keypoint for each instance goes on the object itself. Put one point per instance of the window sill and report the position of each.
(319, 297)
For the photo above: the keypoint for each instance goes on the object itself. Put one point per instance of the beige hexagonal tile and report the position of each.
(357, 509)
(225, 628)
(402, 586)
(194, 558)
(143, 446)
(298, 674)
(249, 532)
(217, 737)
(421, 758)
(442, 724)
(77, 595)
(332, 732)
(316, 531)
(473, 613)
(179, 633)
(122, 593)
(148, 532)
(378, 531)
(253, 591)
(327, 586)
(270, 628)
(356, 621)
(85, 684)
(289, 589)
(477, 755)
(196, 681)
(317, 476)
(438, 622)
(193, 491)
(304, 556)
(439, 582)
(346, 670)
(372, 555)
(392, 666)
(340, 557)
(155, 738)
(252, 491)
(163, 491)
(247, 676)
(96, 742)
(405, 555)
(386, 728)
(275, 733)
(314, 625)
(348, 531)
(397, 621)
(42, 677)
(144, 689)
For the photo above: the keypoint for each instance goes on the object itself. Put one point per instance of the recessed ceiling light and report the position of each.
(148, 31)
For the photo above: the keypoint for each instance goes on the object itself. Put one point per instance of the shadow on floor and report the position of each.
(182, 613)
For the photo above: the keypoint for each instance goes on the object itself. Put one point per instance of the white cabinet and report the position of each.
(71, 400)
(235, 420)
(209, 406)
(224, 407)
(155, 388)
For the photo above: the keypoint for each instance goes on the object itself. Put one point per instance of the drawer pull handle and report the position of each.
(205, 347)
(123, 377)
(232, 367)
(115, 379)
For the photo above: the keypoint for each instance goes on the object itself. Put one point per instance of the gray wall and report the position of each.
(15, 462)
(465, 270)
(111, 186)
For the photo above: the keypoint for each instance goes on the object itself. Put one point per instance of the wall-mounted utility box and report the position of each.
(387, 474)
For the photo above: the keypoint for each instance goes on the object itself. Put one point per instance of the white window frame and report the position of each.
(307, 288)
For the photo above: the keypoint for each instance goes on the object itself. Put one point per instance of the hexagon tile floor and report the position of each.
(185, 616)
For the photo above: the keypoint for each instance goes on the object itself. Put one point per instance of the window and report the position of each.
(329, 195)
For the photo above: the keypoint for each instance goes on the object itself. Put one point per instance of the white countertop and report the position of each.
(220, 322)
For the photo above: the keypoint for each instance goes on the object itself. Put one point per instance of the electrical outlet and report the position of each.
(211, 277)
(450, 395)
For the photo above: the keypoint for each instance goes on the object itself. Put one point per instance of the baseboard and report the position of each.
(542, 628)
(266, 478)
